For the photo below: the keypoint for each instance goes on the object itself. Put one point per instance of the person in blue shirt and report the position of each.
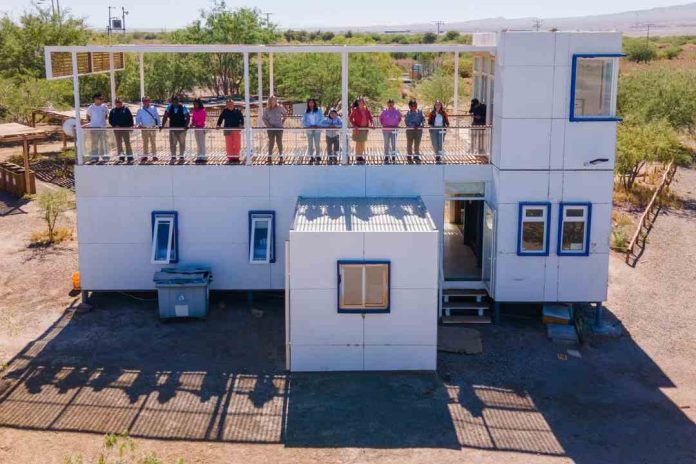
(178, 117)
(414, 121)
(332, 122)
(147, 118)
(312, 120)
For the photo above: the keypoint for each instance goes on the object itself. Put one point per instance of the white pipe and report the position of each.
(142, 76)
(76, 96)
(259, 71)
(456, 83)
(344, 107)
(270, 74)
(247, 109)
(112, 75)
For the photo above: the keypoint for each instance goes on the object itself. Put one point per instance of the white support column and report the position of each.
(141, 61)
(76, 95)
(456, 84)
(112, 75)
(270, 74)
(344, 108)
(247, 109)
(259, 71)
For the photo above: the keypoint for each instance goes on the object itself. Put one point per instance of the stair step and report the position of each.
(466, 320)
(464, 292)
(474, 306)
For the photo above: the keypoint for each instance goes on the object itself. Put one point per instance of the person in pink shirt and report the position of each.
(390, 118)
(198, 115)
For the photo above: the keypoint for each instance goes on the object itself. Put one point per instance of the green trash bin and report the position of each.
(183, 291)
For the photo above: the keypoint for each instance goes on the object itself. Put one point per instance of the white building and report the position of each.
(520, 209)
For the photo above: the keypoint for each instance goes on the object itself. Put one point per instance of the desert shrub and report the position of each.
(119, 449)
(671, 52)
(640, 51)
(619, 238)
(52, 205)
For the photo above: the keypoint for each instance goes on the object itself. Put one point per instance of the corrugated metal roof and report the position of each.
(362, 214)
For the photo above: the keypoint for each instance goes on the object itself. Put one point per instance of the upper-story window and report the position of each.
(593, 87)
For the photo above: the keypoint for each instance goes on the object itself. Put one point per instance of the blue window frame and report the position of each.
(574, 226)
(363, 286)
(593, 87)
(165, 237)
(533, 229)
(262, 237)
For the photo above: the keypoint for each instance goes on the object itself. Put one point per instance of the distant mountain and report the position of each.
(670, 20)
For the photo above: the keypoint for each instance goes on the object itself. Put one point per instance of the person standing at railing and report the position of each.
(438, 122)
(147, 118)
(233, 119)
(414, 133)
(97, 113)
(121, 118)
(332, 122)
(312, 120)
(274, 119)
(390, 118)
(478, 118)
(361, 120)
(178, 117)
(198, 116)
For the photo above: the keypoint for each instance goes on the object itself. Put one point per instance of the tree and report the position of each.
(440, 86)
(19, 97)
(219, 25)
(641, 143)
(52, 204)
(451, 36)
(429, 38)
(640, 50)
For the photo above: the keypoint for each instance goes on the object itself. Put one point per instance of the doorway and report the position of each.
(463, 240)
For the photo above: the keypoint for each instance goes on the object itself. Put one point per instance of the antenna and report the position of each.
(647, 27)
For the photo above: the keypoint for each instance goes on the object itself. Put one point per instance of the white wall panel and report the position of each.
(405, 180)
(561, 92)
(557, 145)
(116, 267)
(118, 219)
(525, 143)
(220, 181)
(529, 49)
(516, 186)
(129, 181)
(314, 320)
(294, 181)
(595, 42)
(561, 49)
(528, 92)
(583, 278)
(318, 358)
(555, 186)
(229, 263)
(414, 257)
(592, 186)
(436, 208)
(468, 173)
(314, 256)
(586, 141)
(519, 278)
(508, 215)
(399, 357)
(551, 277)
(601, 227)
(412, 320)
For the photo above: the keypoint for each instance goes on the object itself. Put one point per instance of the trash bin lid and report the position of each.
(185, 275)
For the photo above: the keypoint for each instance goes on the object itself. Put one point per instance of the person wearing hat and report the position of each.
(332, 122)
(178, 117)
(147, 118)
(121, 118)
(97, 114)
(390, 118)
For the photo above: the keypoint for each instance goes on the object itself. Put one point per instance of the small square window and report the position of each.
(261, 237)
(363, 286)
(533, 230)
(593, 91)
(574, 229)
(165, 240)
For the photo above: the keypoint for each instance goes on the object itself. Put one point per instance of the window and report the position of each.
(574, 229)
(533, 229)
(593, 87)
(465, 190)
(165, 237)
(363, 286)
(261, 237)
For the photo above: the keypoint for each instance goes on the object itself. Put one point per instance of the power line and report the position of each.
(537, 24)
(438, 25)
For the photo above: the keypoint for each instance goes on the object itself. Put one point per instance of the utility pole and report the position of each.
(537, 24)
(268, 18)
(438, 25)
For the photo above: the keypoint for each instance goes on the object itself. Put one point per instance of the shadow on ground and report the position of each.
(10, 204)
(120, 369)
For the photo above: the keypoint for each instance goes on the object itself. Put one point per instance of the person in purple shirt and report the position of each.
(389, 119)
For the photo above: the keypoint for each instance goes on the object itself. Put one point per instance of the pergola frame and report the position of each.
(245, 51)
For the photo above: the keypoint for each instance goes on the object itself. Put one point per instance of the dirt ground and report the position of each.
(215, 390)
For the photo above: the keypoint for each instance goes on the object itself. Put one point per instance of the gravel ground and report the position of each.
(524, 400)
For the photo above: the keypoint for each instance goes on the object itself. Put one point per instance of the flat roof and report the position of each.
(362, 214)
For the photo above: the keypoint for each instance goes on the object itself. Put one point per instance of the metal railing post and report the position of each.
(345, 149)
(247, 109)
(79, 135)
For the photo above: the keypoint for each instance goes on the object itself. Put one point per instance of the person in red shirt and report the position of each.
(361, 120)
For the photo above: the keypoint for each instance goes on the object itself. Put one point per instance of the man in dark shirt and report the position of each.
(478, 118)
(178, 117)
(120, 118)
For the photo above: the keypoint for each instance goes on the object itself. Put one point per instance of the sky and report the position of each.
(314, 14)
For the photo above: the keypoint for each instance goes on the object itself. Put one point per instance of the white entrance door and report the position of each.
(489, 252)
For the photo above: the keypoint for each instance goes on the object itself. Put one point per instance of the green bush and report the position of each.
(671, 52)
(640, 51)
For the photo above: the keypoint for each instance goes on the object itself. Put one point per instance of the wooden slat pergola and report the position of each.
(15, 133)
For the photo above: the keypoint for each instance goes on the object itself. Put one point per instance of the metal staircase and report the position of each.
(464, 306)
